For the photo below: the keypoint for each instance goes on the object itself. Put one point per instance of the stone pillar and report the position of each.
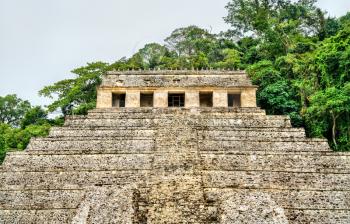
(220, 98)
(132, 98)
(192, 98)
(104, 99)
(248, 98)
(160, 98)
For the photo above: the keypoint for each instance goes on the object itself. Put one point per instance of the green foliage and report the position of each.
(35, 115)
(12, 109)
(2, 148)
(332, 59)
(73, 93)
(263, 73)
(190, 41)
(330, 104)
(279, 98)
(151, 55)
(32, 120)
(14, 139)
(231, 60)
(275, 22)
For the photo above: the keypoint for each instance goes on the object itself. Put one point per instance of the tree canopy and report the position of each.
(12, 109)
(20, 122)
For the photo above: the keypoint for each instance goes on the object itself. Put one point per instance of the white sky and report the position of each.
(41, 41)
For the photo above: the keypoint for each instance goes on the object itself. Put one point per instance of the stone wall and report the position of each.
(190, 82)
(176, 165)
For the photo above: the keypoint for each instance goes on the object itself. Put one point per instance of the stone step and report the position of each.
(30, 216)
(176, 139)
(327, 216)
(111, 151)
(166, 115)
(258, 138)
(297, 199)
(135, 132)
(101, 144)
(98, 132)
(256, 133)
(213, 110)
(265, 121)
(148, 145)
(40, 199)
(172, 161)
(229, 146)
(275, 179)
(114, 162)
(69, 180)
(28, 162)
(227, 162)
(211, 179)
(91, 205)
(277, 162)
(174, 115)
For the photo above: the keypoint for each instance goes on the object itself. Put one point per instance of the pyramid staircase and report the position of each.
(200, 165)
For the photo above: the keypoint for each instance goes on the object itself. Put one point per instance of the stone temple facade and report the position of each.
(176, 147)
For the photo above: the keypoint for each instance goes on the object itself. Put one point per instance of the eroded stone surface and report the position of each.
(250, 207)
(176, 165)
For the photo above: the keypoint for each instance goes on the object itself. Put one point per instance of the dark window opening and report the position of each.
(146, 100)
(176, 100)
(206, 99)
(234, 100)
(118, 100)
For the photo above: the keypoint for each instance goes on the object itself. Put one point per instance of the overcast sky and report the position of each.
(41, 41)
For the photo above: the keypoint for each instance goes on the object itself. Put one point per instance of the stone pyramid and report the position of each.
(176, 165)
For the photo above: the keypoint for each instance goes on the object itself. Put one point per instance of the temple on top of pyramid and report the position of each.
(170, 147)
(173, 88)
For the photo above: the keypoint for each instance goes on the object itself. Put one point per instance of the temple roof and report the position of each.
(177, 78)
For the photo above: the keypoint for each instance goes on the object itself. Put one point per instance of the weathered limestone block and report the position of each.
(106, 205)
(228, 146)
(176, 79)
(100, 132)
(318, 216)
(251, 207)
(268, 133)
(30, 216)
(92, 162)
(277, 162)
(220, 98)
(40, 199)
(97, 144)
(265, 121)
(69, 179)
(120, 112)
(132, 98)
(104, 99)
(248, 97)
(176, 199)
(191, 99)
(289, 198)
(160, 98)
(279, 180)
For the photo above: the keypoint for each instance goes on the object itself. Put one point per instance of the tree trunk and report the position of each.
(348, 121)
(334, 118)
